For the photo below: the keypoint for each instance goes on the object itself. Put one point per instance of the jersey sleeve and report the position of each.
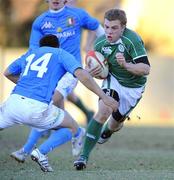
(18, 65)
(70, 63)
(87, 21)
(137, 48)
(15, 67)
(36, 34)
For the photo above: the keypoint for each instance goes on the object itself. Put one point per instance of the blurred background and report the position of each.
(151, 19)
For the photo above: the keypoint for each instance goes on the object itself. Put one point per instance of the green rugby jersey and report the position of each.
(131, 45)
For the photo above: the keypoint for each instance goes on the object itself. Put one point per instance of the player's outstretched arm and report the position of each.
(86, 79)
(94, 71)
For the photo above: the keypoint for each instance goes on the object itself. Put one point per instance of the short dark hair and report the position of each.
(49, 40)
(116, 14)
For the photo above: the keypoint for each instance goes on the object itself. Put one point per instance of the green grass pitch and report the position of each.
(134, 153)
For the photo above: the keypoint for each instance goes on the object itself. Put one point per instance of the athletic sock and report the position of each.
(32, 140)
(77, 133)
(92, 136)
(56, 139)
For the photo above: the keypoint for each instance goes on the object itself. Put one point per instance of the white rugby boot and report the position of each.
(42, 160)
(77, 142)
(19, 155)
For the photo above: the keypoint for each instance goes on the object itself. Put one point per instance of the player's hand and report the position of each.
(111, 102)
(94, 71)
(120, 59)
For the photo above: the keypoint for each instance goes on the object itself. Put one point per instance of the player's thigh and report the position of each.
(69, 122)
(72, 97)
(58, 99)
(49, 119)
(129, 98)
(6, 119)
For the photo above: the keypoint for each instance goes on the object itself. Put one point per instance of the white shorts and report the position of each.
(66, 84)
(128, 97)
(21, 110)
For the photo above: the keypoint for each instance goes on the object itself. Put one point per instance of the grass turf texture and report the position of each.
(134, 153)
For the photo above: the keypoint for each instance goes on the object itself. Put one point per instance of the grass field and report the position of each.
(135, 153)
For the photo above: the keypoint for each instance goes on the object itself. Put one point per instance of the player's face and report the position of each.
(56, 4)
(113, 30)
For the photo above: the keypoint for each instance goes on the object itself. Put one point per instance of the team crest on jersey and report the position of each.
(107, 50)
(121, 48)
(70, 21)
(47, 25)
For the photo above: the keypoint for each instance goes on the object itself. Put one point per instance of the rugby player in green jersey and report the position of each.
(128, 68)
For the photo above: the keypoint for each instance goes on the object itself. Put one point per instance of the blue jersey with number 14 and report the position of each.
(40, 70)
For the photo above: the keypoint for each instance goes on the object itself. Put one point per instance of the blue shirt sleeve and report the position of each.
(15, 67)
(87, 21)
(70, 63)
(18, 65)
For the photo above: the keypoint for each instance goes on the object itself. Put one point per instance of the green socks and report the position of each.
(92, 136)
(89, 114)
(80, 105)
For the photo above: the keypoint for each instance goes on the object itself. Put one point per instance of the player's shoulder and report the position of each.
(130, 36)
(76, 10)
(59, 52)
(40, 17)
(64, 53)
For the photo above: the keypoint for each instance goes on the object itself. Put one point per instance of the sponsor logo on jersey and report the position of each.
(47, 25)
(65, 34)
(107, 50)
(59, 29)
(70, 21)
(121, 48)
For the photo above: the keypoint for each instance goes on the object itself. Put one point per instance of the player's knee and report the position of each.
(117, 116)
(72, 97)
(58, 99)
(103, 114)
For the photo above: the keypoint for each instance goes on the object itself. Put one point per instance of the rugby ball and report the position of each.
(95, 58)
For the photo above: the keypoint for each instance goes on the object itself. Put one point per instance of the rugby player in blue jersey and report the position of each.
(67, 24)
(30, 102)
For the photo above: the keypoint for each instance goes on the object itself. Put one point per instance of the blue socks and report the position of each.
(77, 133)
(32, 140)
(56, 139)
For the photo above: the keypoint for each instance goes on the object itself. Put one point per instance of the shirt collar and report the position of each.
(117, 42)
(56, 11)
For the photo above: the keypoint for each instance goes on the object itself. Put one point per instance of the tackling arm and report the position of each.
(86, 79)
(91, 36)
